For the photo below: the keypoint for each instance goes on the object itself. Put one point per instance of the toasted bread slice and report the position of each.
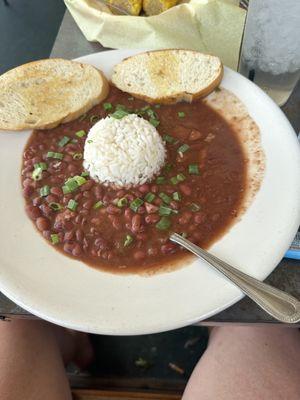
(154, 7)
(45, 93)
(168, 76)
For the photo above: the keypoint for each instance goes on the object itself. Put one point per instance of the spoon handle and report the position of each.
(275, 302)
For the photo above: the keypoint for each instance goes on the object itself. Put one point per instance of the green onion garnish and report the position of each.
(41, 165)
(85, 174)
(174, 180)
(97, 205)
(181, 114)
(164, 210)
(163, 224)
(181, 177)
(77, 156)
(143, 109)
(54, 238)
(183, 148)
(94, 118)
(149, 197)
(73, 183)
(44, 191)
(122, 202)
(89, 141)
(53, 154)
(176, 196)
(80, 133)
(136, 203)
(119, 114)
(66, 189)
(107, 106)
(167, 199)
(168, 139)
(63, 141)
(128, 240)
(193, 169)
(121, 107)
(55, 206)
(168, 167)
(160, 180)
(194, 207)
(37, 174)
(154, 122)
(72, 205)
(79, 179)
(151, 113)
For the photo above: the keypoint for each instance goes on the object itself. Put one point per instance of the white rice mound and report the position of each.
(124, 152)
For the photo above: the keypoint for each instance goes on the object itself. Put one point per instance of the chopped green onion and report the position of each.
(143, 109)
(167, 199)
(97, 205)
(82, 117)
(44, 191)
(37, 174)
(193, 169)
(128, 240)
(160, 180)
(71, 184)
(54, 238)
(163, 224)
(55, 206)
(176, 196)
(63, 141)
(119, 114)
(181, 114)
(53, 154)
(121, 107)
(168, 167)
(85, 174)
(194, 207)
(151, 113)
(80, 180)
(164, 210)
(107, 106)
(122, 202)
(181, 177)
(94, 118)
(66, 189)
(136, 203)
(149, 197)
(154, 122)
(157, 105)
(41, 165)
(183, 148)
(80, 133)
(168, 139)
(89, 141)
(77, 156)
(174, 180)
(72, 205)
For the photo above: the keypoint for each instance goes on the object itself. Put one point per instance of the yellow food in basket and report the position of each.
(154, 7)
(132, 7)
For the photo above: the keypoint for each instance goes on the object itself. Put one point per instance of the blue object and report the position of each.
(294, 250)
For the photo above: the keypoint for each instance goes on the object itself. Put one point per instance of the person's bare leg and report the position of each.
(31, 363)
(245, 363)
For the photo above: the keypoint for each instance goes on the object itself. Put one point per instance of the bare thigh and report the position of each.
(245, 363)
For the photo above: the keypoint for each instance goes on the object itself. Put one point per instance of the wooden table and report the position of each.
(70, 43)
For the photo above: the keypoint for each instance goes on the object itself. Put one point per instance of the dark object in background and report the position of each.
(28, 29)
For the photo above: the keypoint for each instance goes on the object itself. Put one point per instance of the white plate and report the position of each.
(69, 293)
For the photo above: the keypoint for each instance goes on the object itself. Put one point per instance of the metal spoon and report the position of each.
(275, 302)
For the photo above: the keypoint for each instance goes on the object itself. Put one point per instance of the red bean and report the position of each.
(169, 189)
(46, 210)
(86, 194)
(68, 247)
(87, 186)
(195, 135)
(136, 223)
(28, 191)
(168, 248)
(116, 223)
(79, 235)
(28, 182)
(72, 168)
(51, 199)
(196, 236)
(129, 197)
(128, 214)
(37, 201)
(101, 244)
(199, 217)
(152, 218)
(56, 191)
(98, 192)
(33, 212)
(142, 237)
(47, 234)
(152, 251)
(144, 188)
(215, 217)
(154, 189)
(68, 158)
(141, 210)
(139, 255)
(185, 218)
(111, 209)
(120, 193)
(78, 196)
(42, 224)
(87, 204)
(68, 236)
(174, 205)
(157, 201)
(185, 189)
(150, 208)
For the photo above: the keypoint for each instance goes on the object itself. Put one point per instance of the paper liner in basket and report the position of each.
(210, 26)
